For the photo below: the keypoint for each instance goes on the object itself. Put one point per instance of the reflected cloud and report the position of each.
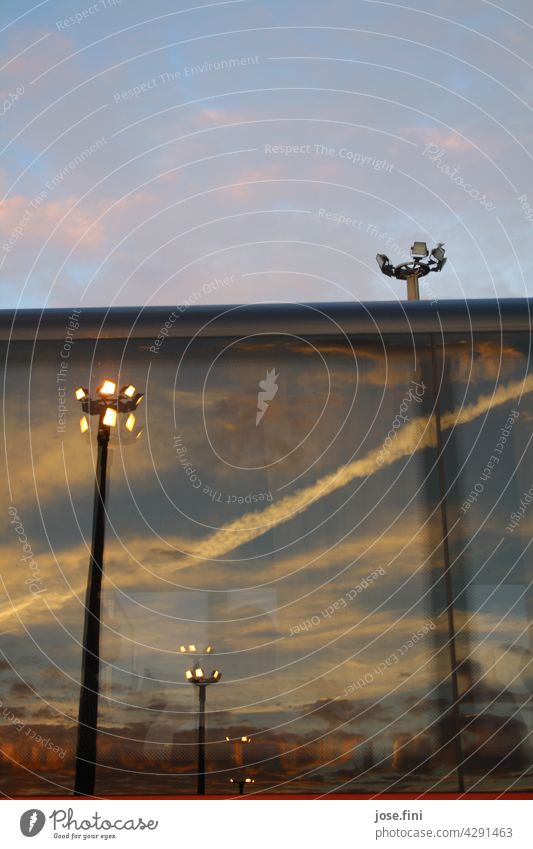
(418, 434)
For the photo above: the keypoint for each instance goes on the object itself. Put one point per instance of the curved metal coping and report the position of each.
(374, 318)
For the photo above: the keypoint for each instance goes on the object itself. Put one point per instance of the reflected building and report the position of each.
(358, 554)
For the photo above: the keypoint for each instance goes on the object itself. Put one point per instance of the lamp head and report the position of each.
(107, 388)
(110, 417)
(419, 250)
(438, 255)
(385, 265)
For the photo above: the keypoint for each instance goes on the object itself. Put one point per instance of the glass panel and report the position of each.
(43, 566)
(302, 544)
(487, 406)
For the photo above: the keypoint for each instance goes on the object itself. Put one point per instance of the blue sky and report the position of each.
(249, 151)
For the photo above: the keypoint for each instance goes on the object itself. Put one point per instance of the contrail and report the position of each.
(417, 434)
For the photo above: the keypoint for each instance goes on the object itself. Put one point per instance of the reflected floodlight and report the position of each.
(196, 677)
(106, 405)
(110, 417)
(108, 387)
(192, 648)
(419, 250)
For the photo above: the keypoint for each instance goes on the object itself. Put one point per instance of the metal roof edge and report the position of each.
(235, 320)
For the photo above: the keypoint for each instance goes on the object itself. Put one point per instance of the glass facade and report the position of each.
(341, 511)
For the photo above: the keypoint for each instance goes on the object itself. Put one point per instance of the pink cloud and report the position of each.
(22, 216)
(441, 136)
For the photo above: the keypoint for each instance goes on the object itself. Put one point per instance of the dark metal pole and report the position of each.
(201, 738)
(90, 665)
(456, 718)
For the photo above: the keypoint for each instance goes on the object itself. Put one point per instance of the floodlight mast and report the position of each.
(199, 679)
(106, 405)
(422, 263)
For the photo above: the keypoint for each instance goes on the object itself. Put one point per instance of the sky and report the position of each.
(247, 151)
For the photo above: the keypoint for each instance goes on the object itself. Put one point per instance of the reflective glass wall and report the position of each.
(342, 517)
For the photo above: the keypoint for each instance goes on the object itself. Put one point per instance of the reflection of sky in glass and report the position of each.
(266, 581)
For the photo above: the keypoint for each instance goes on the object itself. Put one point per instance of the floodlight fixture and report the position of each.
(422, 263)
(241, 783)
(438, 254)
(108, 387)
(192, 648)
(110, 417)
(385, 264)
(419, 250)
